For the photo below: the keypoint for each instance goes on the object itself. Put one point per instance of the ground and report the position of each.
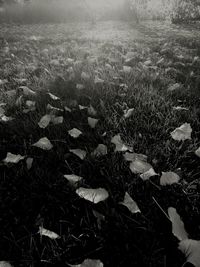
(164, 75)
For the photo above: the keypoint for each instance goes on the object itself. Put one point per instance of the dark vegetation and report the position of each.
(38, 57)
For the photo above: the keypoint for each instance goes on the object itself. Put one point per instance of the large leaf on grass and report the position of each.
(101, 150)
(182, 133)
(169, 178)
(133, 156)
(90, 263)
(139, 166)
(44, 121)
(93, 195)
(148, 174)
(120, 146)
(130, 204)
(92, 122)
(44, 144)
(75, 133)
(191, 250)
(12, 158)
(79, 153)
(178, 228)
(73, 179)
(5, 264)
(50, 234)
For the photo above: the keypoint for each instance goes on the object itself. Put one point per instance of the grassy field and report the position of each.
(99, 71)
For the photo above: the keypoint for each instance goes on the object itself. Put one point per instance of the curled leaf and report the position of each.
(50, 234)
(93, 195)
(129, 113)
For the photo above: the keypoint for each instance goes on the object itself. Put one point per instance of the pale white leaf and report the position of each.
(4, 118)
(133, 156)
(129, 113)
(130, 204)
(73, 179)
(93, 195)
(179, 108)
(197, 152)
(53, 97)
(57, 120)
(92, 122)
(26, 91)
(75, 133)
(169, 178)
(178, 228)
(101, 150)
(147, 175)
(139, 166)
(5, 264)
(44, 121)
(120, 146)
(50, 234)
(29, 163)
(182, 133)
(44, 144)
(90, 263)
(91, 111)
(12, 158)
(79, 153)
(191, 249)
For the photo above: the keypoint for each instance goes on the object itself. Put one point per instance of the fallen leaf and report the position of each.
(191, 249)
(179, 108)
(90, 263)
(44, 121)
(93, 195)
(182, 133)
(4, 118)
(91, 111)
(169, 178)
(29, 163)
(53, 97)
(5, 264)
(174, 87)
(133, 156)
(197, 152)
(12, 158)
(57, 120)
(50, 234)
(44, 144)
(92, 122)
(145, 176)
(120, 146)
(129, 113)
(75, 133)
(101, 150)
(139, 166)
(26, 91)
(130, 204)
(73, 179)
(79, 153)
(178, 228)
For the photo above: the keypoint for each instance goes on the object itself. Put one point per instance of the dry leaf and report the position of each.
(129, 113)
(91, 111)
(53, 97)
(197, 152)
(44, 121)
(90, 263)
(29, 163)
(169, 178)
(79, 153)
(133, 156)
(130, 204)
(57, 120)
(174, 87)
(5, 264)
(178, 228)
(145, 176)
(92, 122)
(26, 91)
(178, 108)
(75, 133)
(12, 158)
(93, 195)
(50, 234)
(191, 249)
(182, 133)
(139, 166)
(101, 150)
(4, 118)
(73, 179)
(44, 144)
(120, 146)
